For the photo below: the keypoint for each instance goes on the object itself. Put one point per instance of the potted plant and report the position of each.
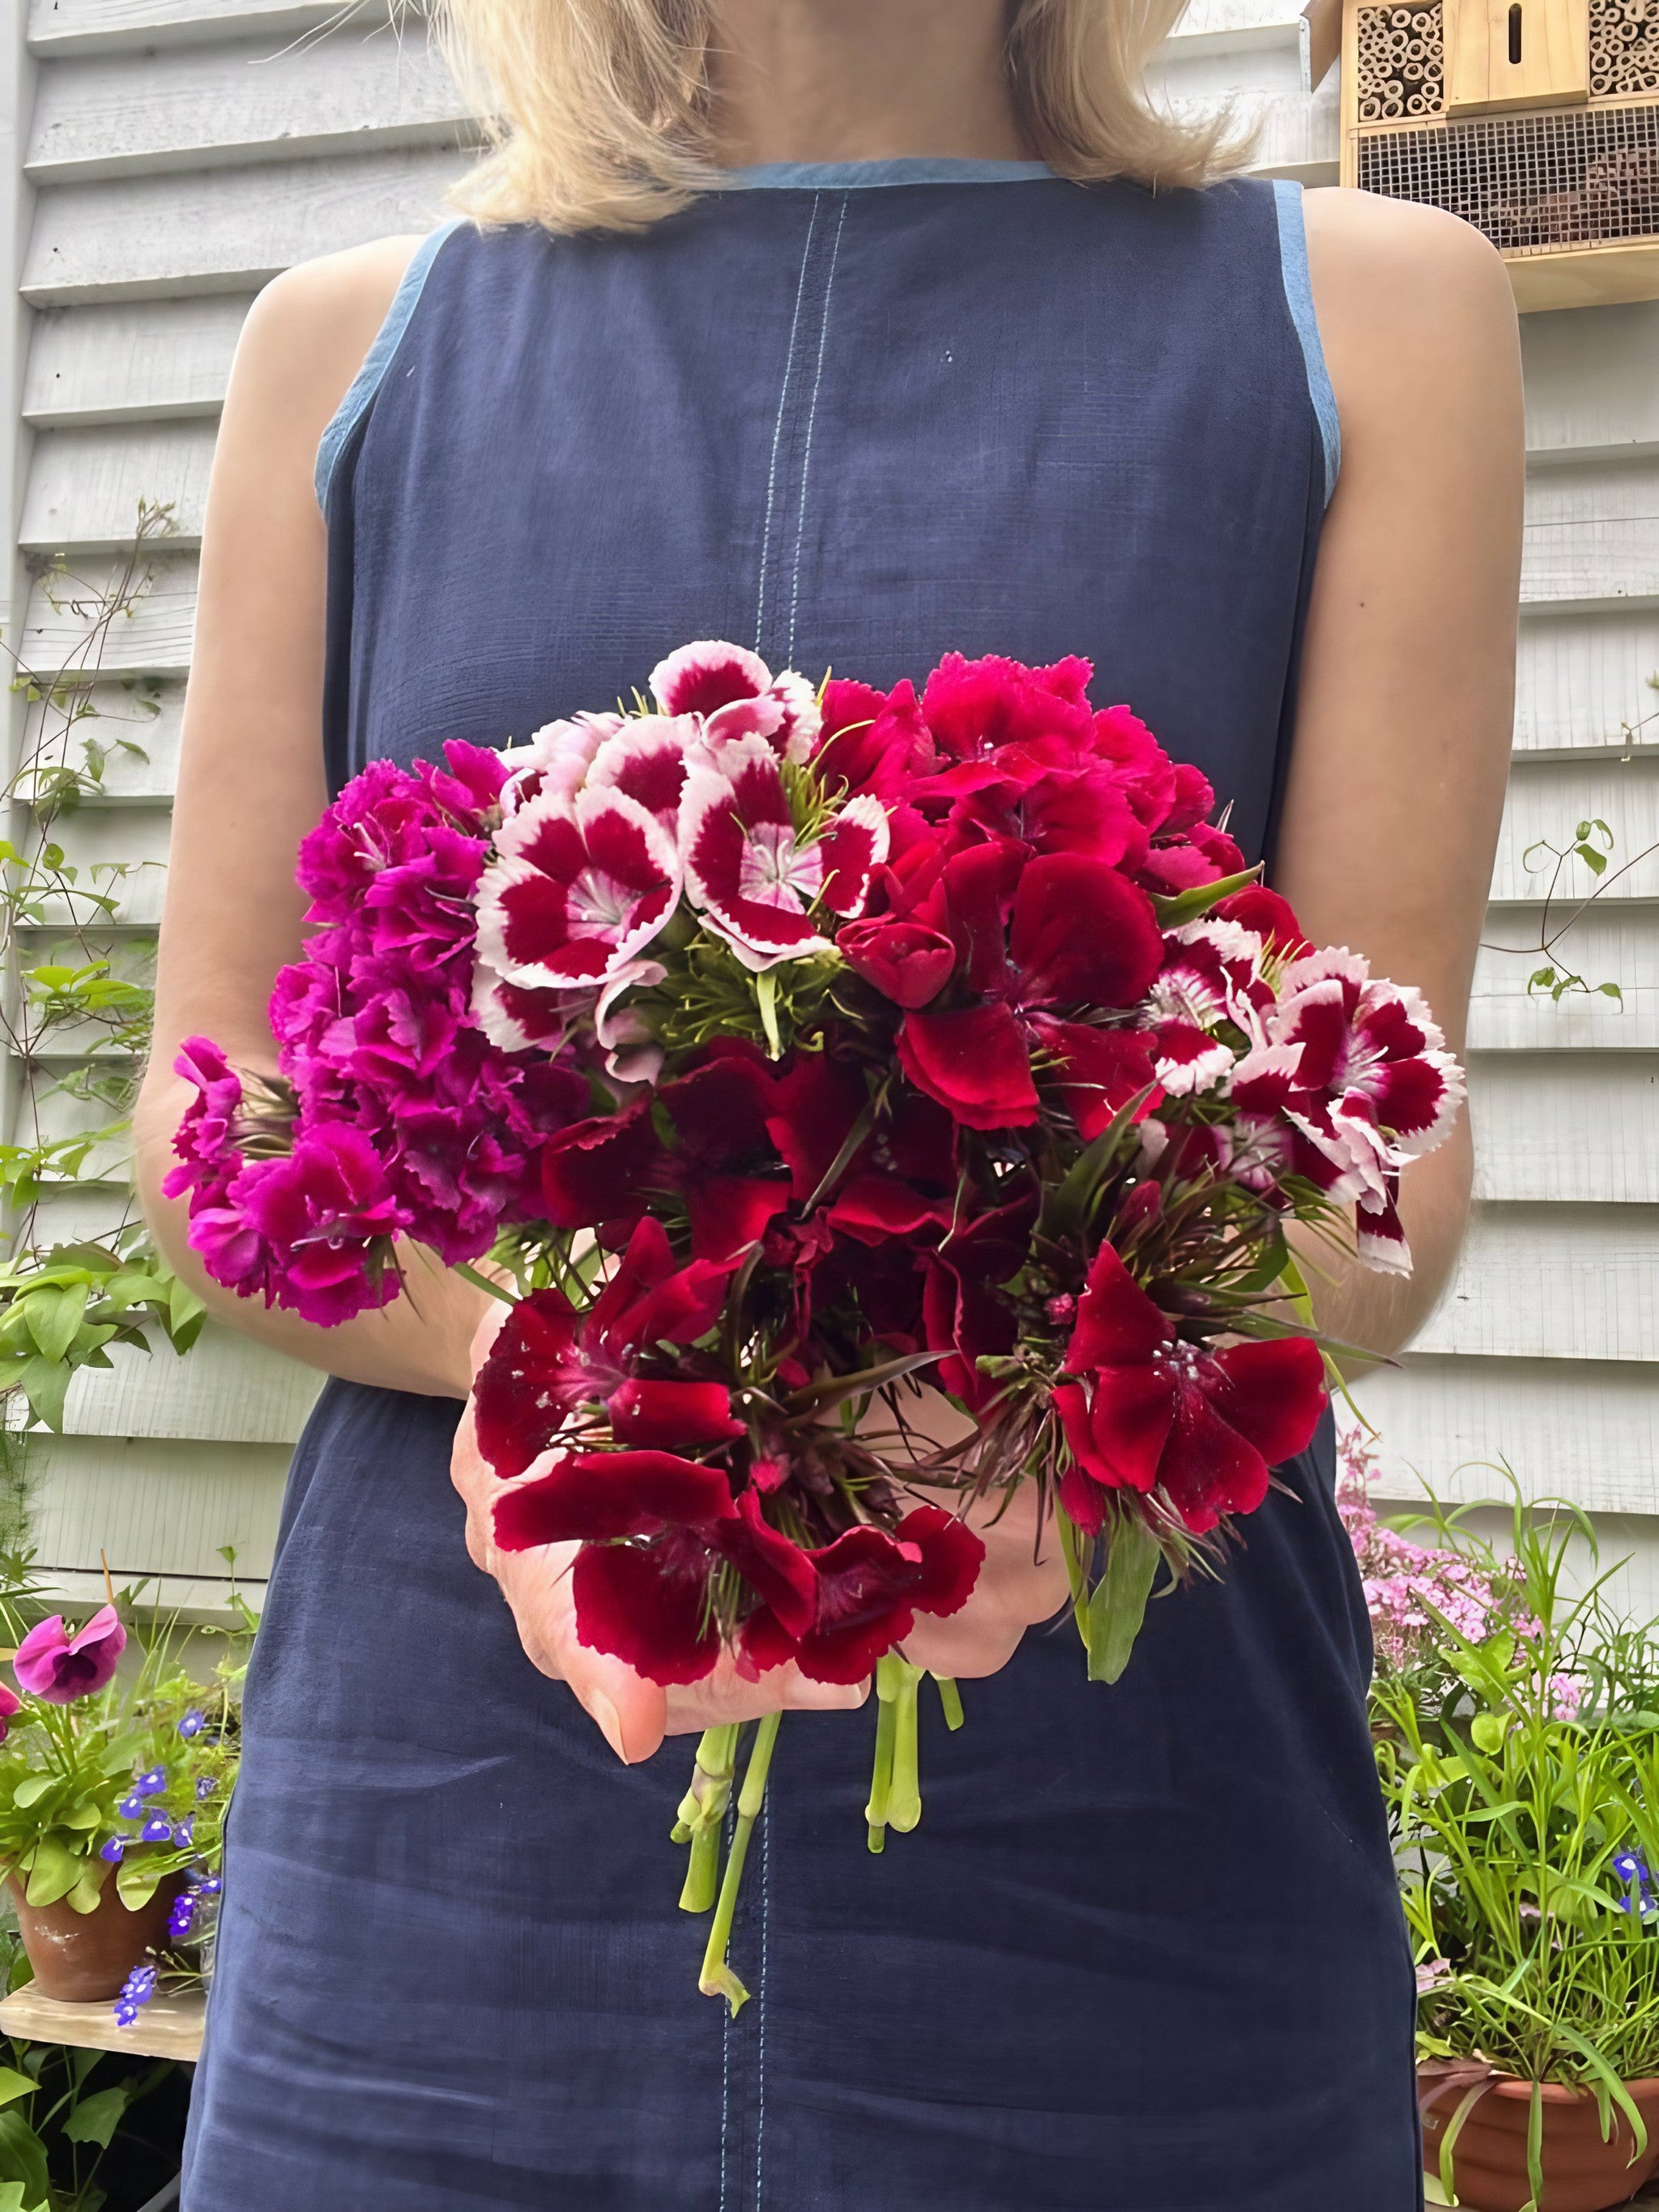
(111, 1796)
(1519, 1752)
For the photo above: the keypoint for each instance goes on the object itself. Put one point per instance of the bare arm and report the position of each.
(251, 785)
(1402, 738)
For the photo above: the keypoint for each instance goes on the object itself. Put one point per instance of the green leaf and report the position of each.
(23, 2160)
(1594, 862)
(1611, 991)
(1488, 1731)
(1118, 1605)
(135, 1881)
(95, 2118)
(46, 1385)
(53, 1318)
(31, 1789)
(1187, 905)
(14, 2085)
(54, 1873)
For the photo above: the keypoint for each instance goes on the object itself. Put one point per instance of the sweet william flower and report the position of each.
(733, 694)
(578, 889)
(53, 1665)
(1143, 1410)
(907, 963)
(870, 1586)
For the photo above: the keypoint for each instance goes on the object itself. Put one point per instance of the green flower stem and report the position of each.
(904, 1789)
(717, 1978)
(702, 1809)
(951, 1697)
(881, 1780)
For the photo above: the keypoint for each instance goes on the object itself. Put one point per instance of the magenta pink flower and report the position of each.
(53, 1665)
(10, 1706)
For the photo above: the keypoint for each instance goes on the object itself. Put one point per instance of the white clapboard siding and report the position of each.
(1553, 1282)
(58, 27)
(1554, 1126)
(1547, 800)
(121, 719)
(86, 488)
(227, 231)
(145, 362)
(1589, 1429)
(214, 107)
(1291, 136)
(98, 840)
(1584, 683)
(1608, 945)
(159, 1503)
(1592, 535)
(225, 1388)
(1591, 385)
(154, 639)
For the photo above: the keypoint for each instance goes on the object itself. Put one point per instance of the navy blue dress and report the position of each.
(1145, 1952)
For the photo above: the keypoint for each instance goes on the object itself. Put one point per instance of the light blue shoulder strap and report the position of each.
(367, 382)
(1298, 295)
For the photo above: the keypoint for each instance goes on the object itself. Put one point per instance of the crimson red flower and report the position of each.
(963, 1315)
(649, 1606)
(594, 1496)
(869, 1588)
(908, 964)
(545, 1363)
(1147, 1411)
(1030, 936)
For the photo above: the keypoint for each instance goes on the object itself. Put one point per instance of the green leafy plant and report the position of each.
(1522, 1777)
(76, 1014)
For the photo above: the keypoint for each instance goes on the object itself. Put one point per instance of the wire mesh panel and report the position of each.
(1579, 176)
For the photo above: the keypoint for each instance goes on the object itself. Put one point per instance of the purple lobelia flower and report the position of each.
(53, 1665)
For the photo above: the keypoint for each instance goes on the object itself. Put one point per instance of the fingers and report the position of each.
(724, 1696)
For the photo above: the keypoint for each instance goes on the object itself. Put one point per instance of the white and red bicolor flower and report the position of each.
(647, 758)
(580, 888)
(554, 760)
(734, 695)
(754, 877)
(1211, 980)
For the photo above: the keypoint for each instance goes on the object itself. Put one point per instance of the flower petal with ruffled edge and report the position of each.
(647, 1606)
(580, 889)
(553, 761)
(647, 760)
(780, 1573)
(735, 695)
(594, 1496)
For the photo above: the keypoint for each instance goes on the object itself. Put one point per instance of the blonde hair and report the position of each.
(596, 111)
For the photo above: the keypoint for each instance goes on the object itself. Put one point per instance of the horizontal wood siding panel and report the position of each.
(154, 1505)
(1590, 386)
(98, 839)
(71, 27)
(1592, 534)
(227, 232)
(1546, 801)
(85, 486)
(154, 640)
(1589, 1431)
(1566, 1126)
(213, 107)
(1553, 1283)
(122, 363)
(227, 1388)
(1583, 683)
(1607, 945)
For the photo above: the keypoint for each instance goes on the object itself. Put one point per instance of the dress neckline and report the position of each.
(900, 169)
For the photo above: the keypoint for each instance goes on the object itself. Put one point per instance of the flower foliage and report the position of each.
(791, 1046)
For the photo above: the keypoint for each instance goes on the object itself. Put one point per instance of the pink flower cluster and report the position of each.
(403, 1119)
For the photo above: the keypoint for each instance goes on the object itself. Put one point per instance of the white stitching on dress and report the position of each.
(777, 428)
(766, 1924)
(811, 417)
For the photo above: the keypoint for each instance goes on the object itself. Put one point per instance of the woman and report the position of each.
(951, 376)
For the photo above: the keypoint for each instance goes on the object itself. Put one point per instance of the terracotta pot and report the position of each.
(1582, 2172)
(83, 1957)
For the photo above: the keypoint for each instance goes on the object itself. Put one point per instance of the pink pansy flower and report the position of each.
(750, 871)
(58, 1668)
(734, 695)
(582, 886)
(555, 761)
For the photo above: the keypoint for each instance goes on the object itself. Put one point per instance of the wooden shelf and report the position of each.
(1585, 276)
(168, 2027)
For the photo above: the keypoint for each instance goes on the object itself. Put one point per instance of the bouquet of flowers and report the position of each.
(791, 1051)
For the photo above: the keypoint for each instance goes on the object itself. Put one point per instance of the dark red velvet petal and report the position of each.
(594, 1170)
(974, 1063)
(592, 1496)
(646, 1609)
(952, 1557)
(779, 1572)
(1117, 1324)
(1098, 1071)
(1273, 1393)
(1081, 934)
(762, 1643)
(529, 1383)
(653, 1415)
(1208, 1469)
(864, 1608)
